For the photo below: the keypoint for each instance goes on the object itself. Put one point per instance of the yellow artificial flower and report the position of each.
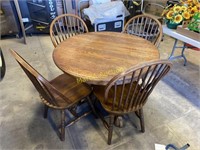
(177, 9)
(164, 12)
(195, 2)
(190, 1)
(198, 7)
(193, 10)
(170, 15)
(178, 18)
(183, 8)
(186, 15)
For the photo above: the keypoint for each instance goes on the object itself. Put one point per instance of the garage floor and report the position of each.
(172, 113)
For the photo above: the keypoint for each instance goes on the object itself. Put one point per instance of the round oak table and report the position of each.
(96, 57)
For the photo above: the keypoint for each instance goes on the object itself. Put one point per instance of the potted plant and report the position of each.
(184, 10)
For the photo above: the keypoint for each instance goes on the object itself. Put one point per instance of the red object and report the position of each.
(192, 47)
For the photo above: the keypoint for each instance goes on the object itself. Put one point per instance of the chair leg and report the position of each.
(62, 137)
(141, 120)
(92, 106)
(110, 129)
(46, 108)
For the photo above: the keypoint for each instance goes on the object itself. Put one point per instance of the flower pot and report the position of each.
(172, 25)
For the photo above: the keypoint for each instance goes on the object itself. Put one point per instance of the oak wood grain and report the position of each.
(98, 56)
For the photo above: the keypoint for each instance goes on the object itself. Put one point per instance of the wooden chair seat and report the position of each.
(108, 106)
(70, 89)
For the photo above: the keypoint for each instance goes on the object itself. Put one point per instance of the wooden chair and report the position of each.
(155, 10)
(61, 93)
(128, 91)
(66, 26)
(2, 66)
(145, 26)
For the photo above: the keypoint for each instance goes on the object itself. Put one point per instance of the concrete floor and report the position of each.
(172, 113)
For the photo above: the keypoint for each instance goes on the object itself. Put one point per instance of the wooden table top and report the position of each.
(96, 57)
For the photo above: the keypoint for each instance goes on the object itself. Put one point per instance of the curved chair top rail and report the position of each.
(66, 26)
(145, 26)
(154, 5)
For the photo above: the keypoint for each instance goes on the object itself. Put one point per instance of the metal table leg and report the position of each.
(172, 57)
(182, 53)
(173, 49)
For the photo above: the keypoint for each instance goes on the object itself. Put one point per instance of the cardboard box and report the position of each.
(186, 32)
